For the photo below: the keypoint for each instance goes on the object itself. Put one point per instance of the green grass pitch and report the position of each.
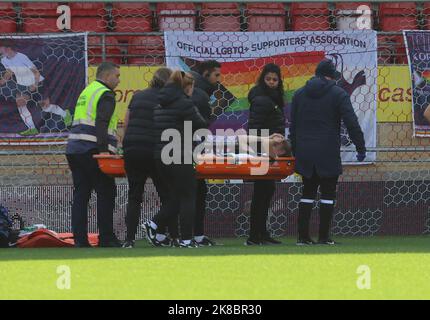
(399, 269)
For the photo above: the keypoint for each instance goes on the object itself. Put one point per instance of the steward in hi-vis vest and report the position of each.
(84, 120)
(94, 131)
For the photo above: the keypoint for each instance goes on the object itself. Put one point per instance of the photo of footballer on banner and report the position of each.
(417, 46)
(40, 80)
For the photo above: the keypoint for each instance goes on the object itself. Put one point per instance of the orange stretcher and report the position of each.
(216, 167)
(256, 168)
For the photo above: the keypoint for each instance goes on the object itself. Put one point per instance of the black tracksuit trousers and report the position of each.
(182, 184)
(139, 167)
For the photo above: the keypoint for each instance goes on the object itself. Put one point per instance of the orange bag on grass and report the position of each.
(44, 238)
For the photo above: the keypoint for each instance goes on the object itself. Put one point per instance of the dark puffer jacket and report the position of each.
(316, 113)
(140, 130)
(265, 112)
(175, 108)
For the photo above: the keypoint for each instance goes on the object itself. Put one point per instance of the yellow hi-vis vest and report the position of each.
(84, 119)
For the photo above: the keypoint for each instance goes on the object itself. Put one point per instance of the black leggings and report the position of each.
(199, 218)
(182, 185)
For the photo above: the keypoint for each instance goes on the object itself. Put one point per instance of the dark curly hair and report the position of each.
(272, 68)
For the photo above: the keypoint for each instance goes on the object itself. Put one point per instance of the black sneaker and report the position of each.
(305, 242)
(271, 241)
(150, 233)
(129, 244)
(192, 244)
(253, 242)
(328, 242)
(206, 242)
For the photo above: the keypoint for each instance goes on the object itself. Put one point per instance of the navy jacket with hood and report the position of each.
(316, 113)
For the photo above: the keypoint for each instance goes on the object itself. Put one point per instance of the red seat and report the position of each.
(398, 16)
(347, 15)
(7, 25)
(6, 7)
(88, 17)
(90, 9)
(113, 52)
(386, 49)
(220, 17)
(147, 61)
(426, 13)
(176, 16)
(92, 24)
(148, 50)
(397, 8)
(312, 16)
(265, 16)
(400, 56)
(132, 17)
(39, 17)
(40, 25)
(7, 18)
(391, 50)
(40, 9)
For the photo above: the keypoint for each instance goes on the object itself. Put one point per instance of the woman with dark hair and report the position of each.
(138, 145)
(175, 110)
(266, 112)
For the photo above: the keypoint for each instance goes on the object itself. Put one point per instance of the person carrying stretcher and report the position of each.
(266, 112)
(317, 110)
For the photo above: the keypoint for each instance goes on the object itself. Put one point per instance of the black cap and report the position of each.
(326, 68)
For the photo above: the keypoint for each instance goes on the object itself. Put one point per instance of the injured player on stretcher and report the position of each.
(243, 147)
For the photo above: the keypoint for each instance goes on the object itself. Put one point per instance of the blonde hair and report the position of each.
(181, 79)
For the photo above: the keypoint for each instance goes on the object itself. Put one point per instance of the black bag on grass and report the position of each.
(5, 227)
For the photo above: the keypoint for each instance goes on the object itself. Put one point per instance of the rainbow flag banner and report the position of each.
(244, 54)
(418, 48)
(239, 77)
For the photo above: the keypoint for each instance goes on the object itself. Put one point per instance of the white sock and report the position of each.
(199, 238)
(153, 225)
(26, 117)
(327, 201)
(160, 237)
(186, 241)
(53, 108)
